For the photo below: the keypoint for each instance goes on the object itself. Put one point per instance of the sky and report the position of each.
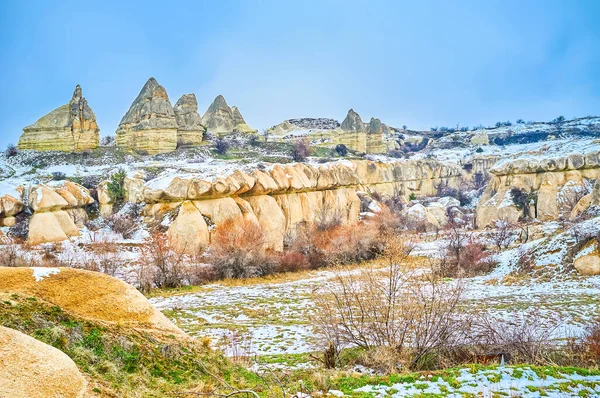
(415, 63)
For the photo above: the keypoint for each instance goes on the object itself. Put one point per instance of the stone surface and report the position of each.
(150, 124)
(188, 233)
(587, 261)
(71, 127)
(189, 122)
(32, 369)
(219, 118)
(90, 295)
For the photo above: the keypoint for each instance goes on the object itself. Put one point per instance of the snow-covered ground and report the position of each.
(503, 381)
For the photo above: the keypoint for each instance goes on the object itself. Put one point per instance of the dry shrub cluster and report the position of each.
(399, 318)
(403, 320)
(463, 255)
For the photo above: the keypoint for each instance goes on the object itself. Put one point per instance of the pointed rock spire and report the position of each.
(353, 122)
(221, 119)
(149, 124)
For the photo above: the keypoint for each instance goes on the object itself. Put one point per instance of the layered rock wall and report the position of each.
(282, 198)
(553, 188)
(150, 124)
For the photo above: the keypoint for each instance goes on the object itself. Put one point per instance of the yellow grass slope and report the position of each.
(90, 295)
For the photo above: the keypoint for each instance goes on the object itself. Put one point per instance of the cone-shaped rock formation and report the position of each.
(72, 127)
(149, 125)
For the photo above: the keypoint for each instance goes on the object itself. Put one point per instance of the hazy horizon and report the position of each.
(417, 64)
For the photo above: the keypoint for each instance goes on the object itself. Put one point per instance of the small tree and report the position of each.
(504, 234)
(116, 185)
(221, 146)
(300, 150)
(341, 150)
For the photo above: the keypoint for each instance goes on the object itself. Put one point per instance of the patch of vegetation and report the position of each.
(116, 186)
(122, 362)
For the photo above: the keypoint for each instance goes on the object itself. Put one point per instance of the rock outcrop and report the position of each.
(32, 369)
(352, 132)
(189, 122)
(58, 211)
(587, 261)
(90, 295)
(71, 127)
(11, 203)
(150, 124)
(220, 119)
(284, 198)
(553, 186)
(353, 122)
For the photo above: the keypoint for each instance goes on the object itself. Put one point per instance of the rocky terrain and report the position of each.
(201, 257)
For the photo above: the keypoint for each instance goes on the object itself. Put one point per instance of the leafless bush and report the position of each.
(504, 234)
(164, 267)
(463, 256)
(390, 307)
(328, 217)
(123, 224)
(238, 250)
(527, 338)
(10, 255)
(105, 257)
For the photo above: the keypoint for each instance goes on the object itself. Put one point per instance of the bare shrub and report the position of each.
(11, 150)
(300, 150)
(105, 257)
(163, 266)
(527, 338)
(591, 340)
(390, 307)
(463, 256)
(10, 255)
(292, 262)
(504, 234)
(238, 250)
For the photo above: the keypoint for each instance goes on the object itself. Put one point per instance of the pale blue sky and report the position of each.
(419, 63)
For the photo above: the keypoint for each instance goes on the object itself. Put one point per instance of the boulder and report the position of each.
(71, 127)
(219, 210)
(32, 369)
(150, 124)
(189, 122)
(189, 232)
(51, 226)
(43, 198)
(11, 201)
(480, 139)
(587, 261)
(581, 206)
(90, 295)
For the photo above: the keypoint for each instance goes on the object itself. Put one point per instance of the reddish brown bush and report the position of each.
(238, 250)
(592, 341)
(292, 262)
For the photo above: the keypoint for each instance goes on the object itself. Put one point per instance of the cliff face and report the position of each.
(283, 197)
(71, 127)
(150, 124)
(553, 187)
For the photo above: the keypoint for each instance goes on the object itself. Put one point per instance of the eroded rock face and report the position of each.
(32, 369)
(219, 118)
(189, 122)
(556, 187)
(150, 124)
(71, 127)
(58, 211)
(283, 198)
